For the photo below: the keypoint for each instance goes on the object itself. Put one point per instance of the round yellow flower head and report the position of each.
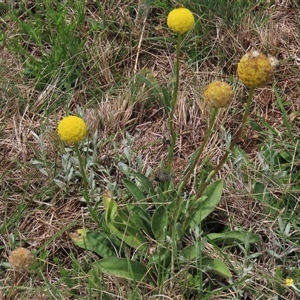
(289, 281)
(180, 20)
(255, 69)
(72, 129)
(218, 94)
(21, 259)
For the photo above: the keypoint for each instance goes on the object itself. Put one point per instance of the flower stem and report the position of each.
(171, 147)
(200, 150)
(231, 146)
(173, 106)
(85, 185)
(193, 165)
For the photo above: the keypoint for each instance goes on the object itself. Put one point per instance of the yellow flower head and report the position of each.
(255, 69)
(289, 281)
(21, 259)
(218, 94)
(180, 20)
(72, 129)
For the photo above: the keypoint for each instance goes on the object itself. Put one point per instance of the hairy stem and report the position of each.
(172, 107)
(85, 185)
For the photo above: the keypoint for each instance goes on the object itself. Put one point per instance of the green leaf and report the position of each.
(192, 251)
(120, 267)
(162, 198)
(162, 256)
(140, 219)
(110, 207)
(232, 238)
(147, 186)
(134, 190)
(179, 232)
(137, 194)
(118, 224)
(100, 244)
(159, 223)
(255, 126)
(259, 191)
(216, 266)
(79, 238)
(172, 203)
(131, 236)
(212, 196)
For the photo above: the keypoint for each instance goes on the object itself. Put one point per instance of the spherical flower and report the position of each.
(21, 259)
(180, 20)
(218, 94)
(72, 129)
(289, 282)
(255, 69)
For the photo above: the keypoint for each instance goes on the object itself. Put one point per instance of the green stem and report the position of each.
(208, 132)
(232, 144)
(193, 165)
(85, 185)
(173, 106)
(173, 142)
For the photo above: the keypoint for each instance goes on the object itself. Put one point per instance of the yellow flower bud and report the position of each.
(255, 70)
(72, 129)
(180, 20)
(289, 281)
(218, 94)
(21, 259)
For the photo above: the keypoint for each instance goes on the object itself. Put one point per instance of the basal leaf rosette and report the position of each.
(255, 69)
(72, 129)
(218, 94)
(180, 20)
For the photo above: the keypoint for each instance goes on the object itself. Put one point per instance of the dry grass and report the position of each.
(49, 213)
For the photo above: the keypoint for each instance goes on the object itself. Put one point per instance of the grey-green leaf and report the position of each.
(159, 223)
(212, 196)
(233, 237)
(120, 267)
(192, 251)
(216, 266)
(100, 244)
(147, 186)
(137, 194)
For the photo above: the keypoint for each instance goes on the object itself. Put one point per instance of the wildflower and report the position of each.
(21, 259)
(218, 94)
(180, 20)
(255, 69)
(72, 129)
(289, 282)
